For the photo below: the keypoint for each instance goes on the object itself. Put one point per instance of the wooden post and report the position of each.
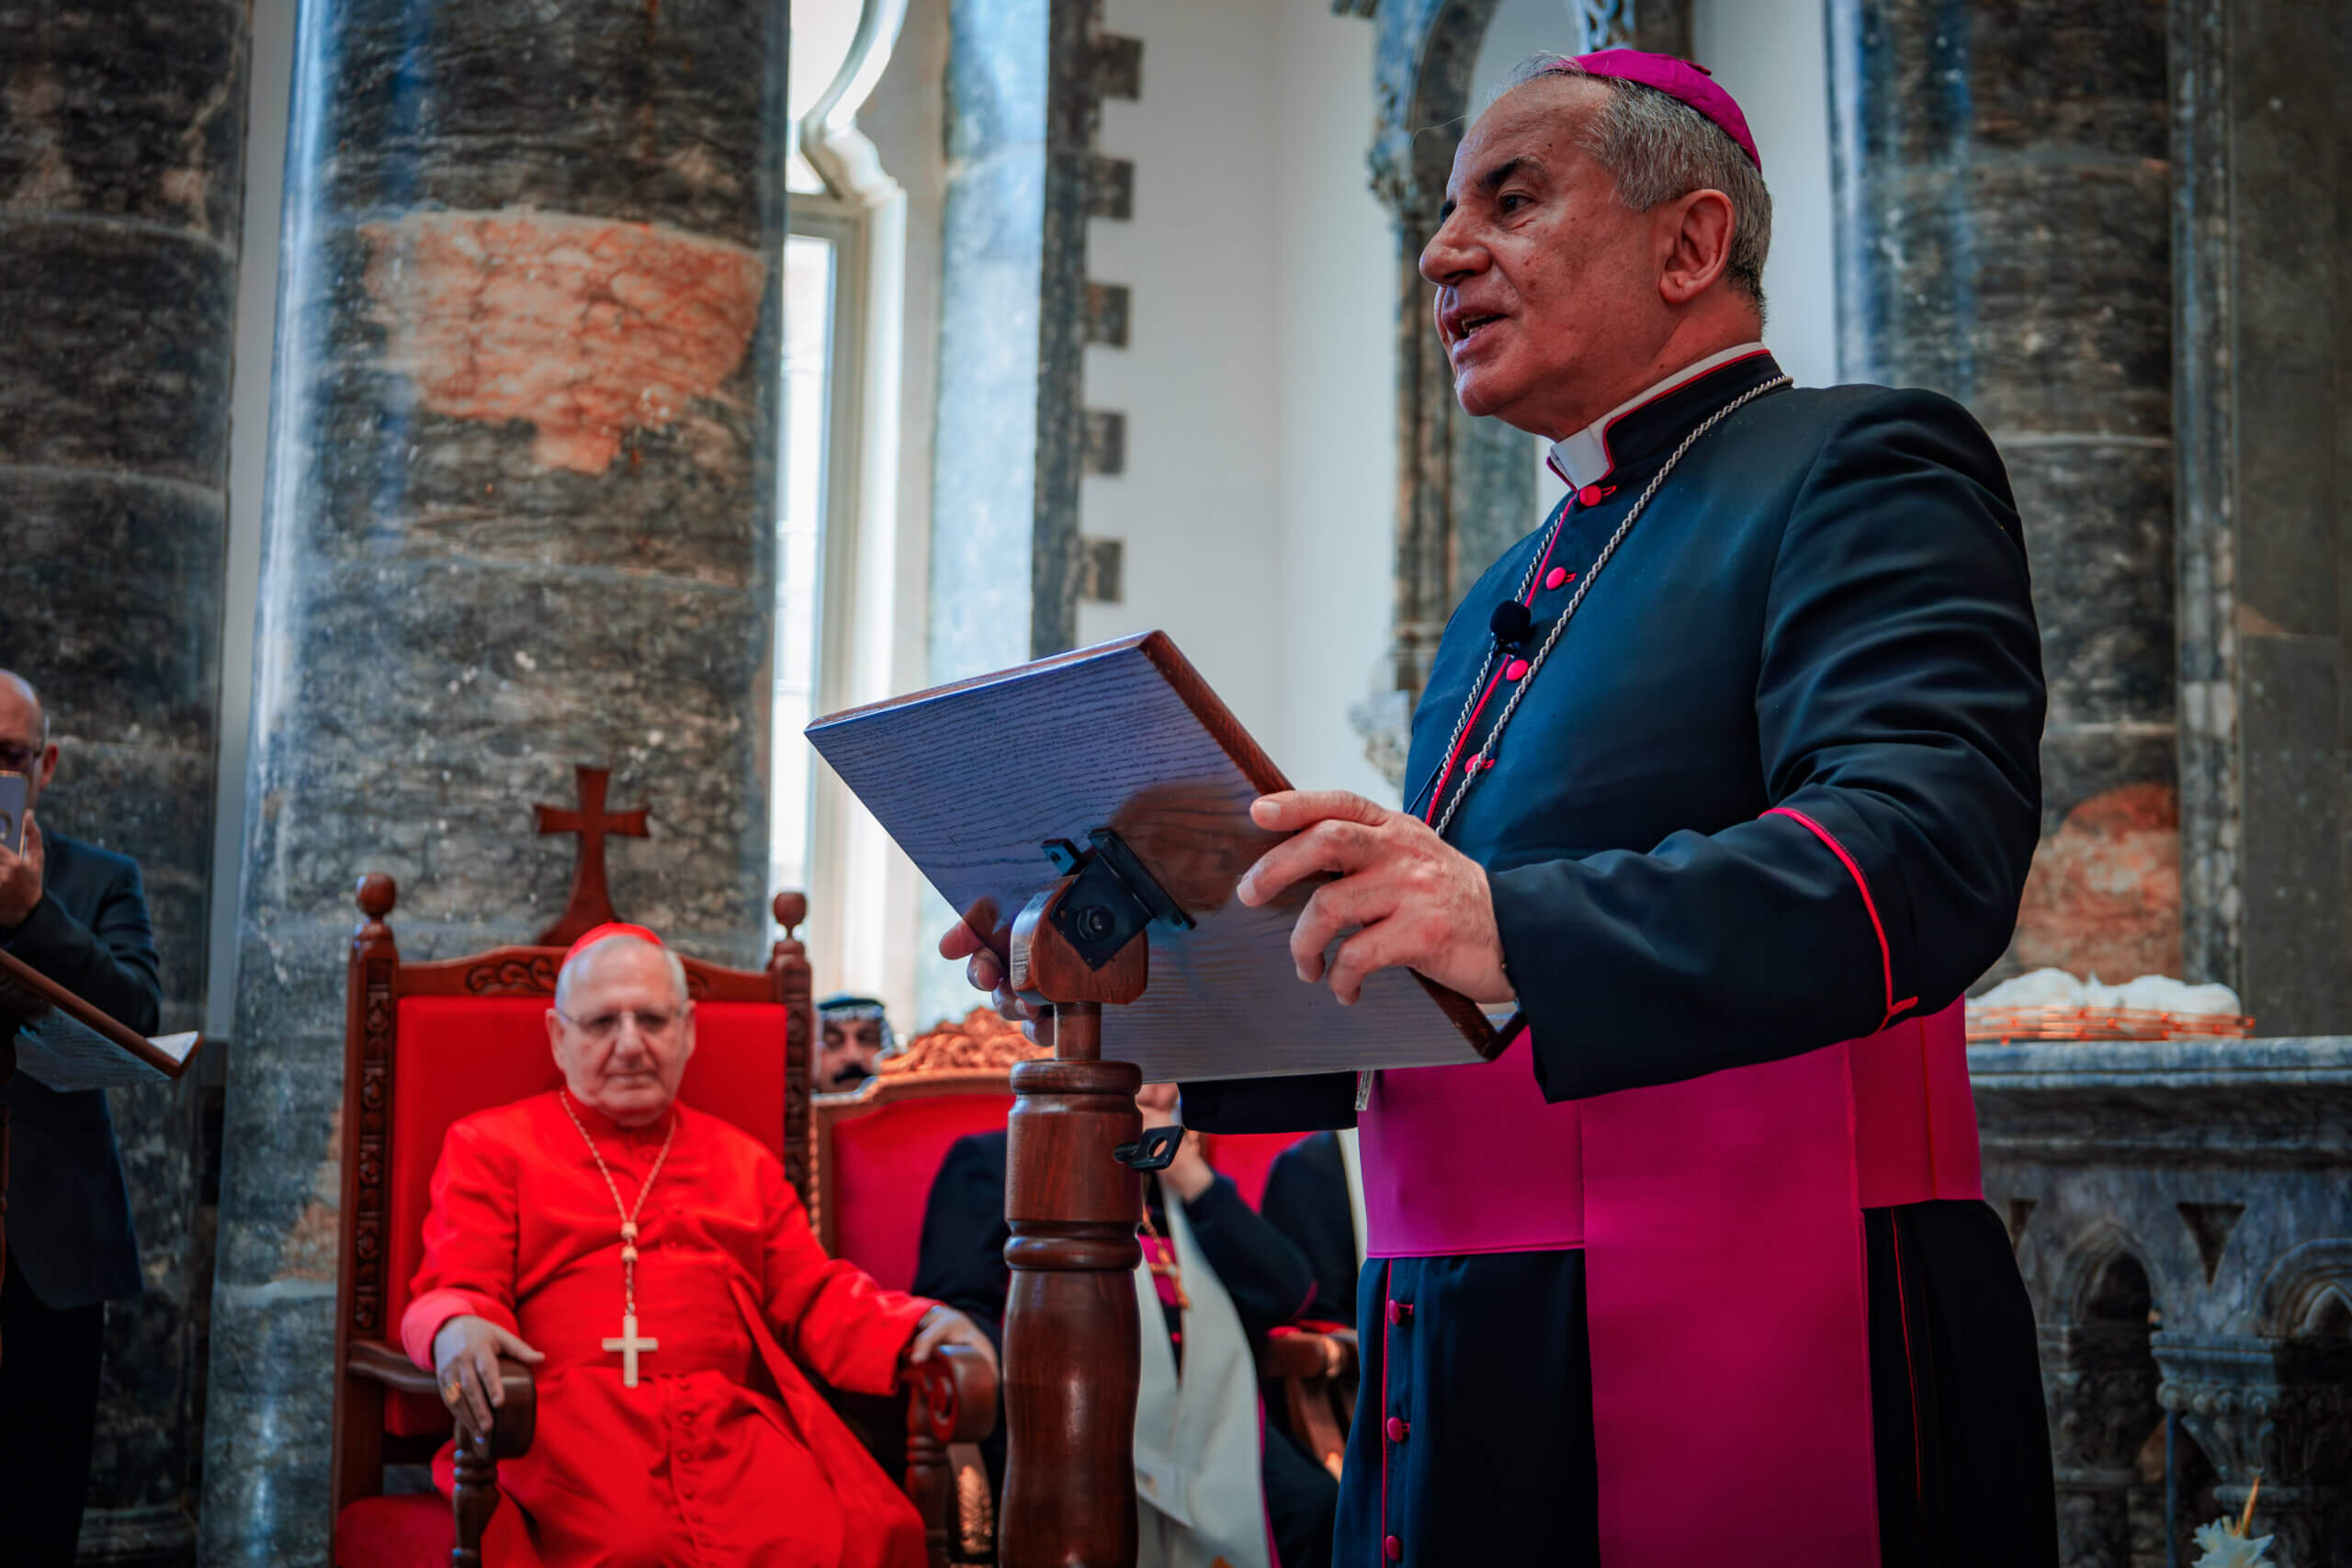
(1072, 1337)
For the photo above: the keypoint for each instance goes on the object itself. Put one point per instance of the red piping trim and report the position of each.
(1609, 452)
(1437, 794)
(1885, 956)
(1388, 1301)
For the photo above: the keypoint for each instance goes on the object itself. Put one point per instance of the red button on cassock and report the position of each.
(1398, 1427)
(1555, 578)
(1393, 1549)
(1515, 668)
(1590, 496)
(1399, 1311)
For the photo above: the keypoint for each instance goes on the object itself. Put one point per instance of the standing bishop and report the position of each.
(1724, 783)
(691, 1435)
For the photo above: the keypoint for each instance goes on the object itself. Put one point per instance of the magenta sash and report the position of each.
(1720, 1221)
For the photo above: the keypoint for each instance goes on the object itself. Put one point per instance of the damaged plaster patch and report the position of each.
(2103, 896)
(581, 326)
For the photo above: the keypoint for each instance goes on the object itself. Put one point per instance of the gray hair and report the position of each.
(1658, 147)
(563, 976)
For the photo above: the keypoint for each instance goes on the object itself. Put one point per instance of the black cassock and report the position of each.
(1270, 1281)
(1825, 608)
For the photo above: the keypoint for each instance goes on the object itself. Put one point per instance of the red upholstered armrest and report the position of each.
(516, 1421)
(950, 1398)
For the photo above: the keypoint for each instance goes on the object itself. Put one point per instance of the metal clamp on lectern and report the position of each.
(1112, 900)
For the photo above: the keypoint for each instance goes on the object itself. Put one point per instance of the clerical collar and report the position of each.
(1585, 459)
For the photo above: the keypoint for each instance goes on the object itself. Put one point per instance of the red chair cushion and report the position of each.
(878, 1174)
(1247, 1157)
(414, 1531)
(459, 1054)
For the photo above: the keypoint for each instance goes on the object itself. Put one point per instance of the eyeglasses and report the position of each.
(651, 1023)
(18, 759)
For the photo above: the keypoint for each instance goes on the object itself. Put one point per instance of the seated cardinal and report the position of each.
(655, 1265)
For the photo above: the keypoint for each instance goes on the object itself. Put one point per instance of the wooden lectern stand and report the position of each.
(1123, 772)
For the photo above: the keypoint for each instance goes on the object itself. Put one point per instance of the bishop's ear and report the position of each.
(1694, 235)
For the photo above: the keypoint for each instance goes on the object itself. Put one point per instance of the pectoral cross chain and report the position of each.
(629, 1345)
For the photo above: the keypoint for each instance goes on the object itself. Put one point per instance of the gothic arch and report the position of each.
(2087, 1273)
(2308, 1290)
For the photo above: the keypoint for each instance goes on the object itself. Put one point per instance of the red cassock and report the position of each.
(724, 1453)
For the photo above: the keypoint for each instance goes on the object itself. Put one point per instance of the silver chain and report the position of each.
(1485, 758)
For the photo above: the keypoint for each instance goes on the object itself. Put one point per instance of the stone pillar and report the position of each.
(2281, 1408)
(2101, 1386)
(1025, 84)
(121, 177)
(2265, 333)
(521, 516)
(2004, 237)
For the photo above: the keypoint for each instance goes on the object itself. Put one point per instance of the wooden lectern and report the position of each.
(62, 1041)
(1117, 834)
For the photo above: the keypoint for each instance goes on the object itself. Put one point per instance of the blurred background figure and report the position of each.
(857, 1036)
(78, 914)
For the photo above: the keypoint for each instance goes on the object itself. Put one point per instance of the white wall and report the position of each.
(1198, 502)
(271, 91)
(1256, 506)
(1772, 56)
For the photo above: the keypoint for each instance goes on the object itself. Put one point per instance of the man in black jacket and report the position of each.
(78, 913)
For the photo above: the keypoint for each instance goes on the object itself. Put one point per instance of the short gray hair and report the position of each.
(677, 969)
(1658, 147)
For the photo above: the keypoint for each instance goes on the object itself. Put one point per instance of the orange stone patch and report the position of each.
(2103, 896)
(581, 326)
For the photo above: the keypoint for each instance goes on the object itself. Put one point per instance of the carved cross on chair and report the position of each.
(592, 900)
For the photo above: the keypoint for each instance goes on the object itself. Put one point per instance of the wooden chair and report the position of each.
(428, 1044)
(873, 1153)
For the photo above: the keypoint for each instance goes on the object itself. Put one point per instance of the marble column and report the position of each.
(121, 178)
(2004, 237)
(521, 516)
(2261, 149)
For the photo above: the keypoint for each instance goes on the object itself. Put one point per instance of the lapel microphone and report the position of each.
(1510, 624)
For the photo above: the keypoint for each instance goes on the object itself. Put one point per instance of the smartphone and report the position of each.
(14, 789)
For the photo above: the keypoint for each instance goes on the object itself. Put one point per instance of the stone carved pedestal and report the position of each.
(2101, 1387)
(2282, 1408)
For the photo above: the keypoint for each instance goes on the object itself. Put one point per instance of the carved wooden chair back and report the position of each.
(428, 1044)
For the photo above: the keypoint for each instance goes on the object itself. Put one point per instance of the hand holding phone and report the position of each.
(15, 789)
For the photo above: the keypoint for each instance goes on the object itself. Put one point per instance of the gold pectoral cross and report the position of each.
(628, 1345)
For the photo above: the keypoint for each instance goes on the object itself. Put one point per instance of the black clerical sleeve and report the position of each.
(1270, 1279)
(1306, 1200)
(961, 1261)
(110, 962)
(1898, 708)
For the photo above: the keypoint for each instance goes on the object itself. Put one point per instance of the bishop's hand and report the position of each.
(465, 1363)
(1412, 900)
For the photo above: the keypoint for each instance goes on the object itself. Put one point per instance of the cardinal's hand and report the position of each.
(942, 1325)
(465, 1363)
(1413, 900)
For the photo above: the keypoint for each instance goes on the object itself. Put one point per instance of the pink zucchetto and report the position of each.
(1678, 79)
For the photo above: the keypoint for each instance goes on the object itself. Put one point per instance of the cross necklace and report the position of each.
(629, 1345)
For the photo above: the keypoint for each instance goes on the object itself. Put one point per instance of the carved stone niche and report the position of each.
(1466, 486)
(2101, 1384)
